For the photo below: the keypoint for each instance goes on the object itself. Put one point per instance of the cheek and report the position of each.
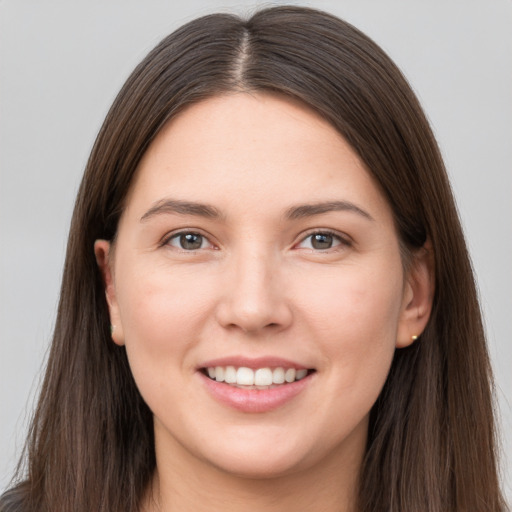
(162, 313)
(354, 318)
(354, 300)
(355, 322)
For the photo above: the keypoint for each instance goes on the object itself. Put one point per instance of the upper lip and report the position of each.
(254, 362)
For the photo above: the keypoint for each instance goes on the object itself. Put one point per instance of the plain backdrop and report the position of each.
(61, 65)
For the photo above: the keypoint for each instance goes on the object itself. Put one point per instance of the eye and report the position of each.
(188, 241)
(321, 241)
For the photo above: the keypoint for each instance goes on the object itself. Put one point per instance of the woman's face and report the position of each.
(255, 248)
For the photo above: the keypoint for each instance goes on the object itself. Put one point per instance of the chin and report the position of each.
(259, 468)
(263, 457)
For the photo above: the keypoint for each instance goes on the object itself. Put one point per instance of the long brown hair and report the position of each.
(431, 442)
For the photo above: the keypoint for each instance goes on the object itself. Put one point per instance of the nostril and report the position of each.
(254, 310)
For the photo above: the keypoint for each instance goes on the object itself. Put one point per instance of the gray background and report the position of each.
(61, 64)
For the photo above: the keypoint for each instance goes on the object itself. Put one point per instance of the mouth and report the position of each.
(256, 385)
(256, 378)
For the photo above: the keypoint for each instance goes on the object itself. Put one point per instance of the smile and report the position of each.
(259, 378)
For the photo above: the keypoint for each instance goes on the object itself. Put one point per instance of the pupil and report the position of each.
(191, 241)
(322, 241)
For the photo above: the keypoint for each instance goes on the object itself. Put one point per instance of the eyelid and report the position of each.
(342, 238)
(184, 231)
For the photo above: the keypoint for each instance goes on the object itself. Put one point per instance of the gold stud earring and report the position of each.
(414, 337)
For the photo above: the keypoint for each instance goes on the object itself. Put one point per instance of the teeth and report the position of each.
(244, 376)
(278, 376)
(300, 374)
(219, 374)
(261, 377)
(229, 374)
(289, 376)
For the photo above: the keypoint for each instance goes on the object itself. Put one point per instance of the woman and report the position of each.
(267, 301)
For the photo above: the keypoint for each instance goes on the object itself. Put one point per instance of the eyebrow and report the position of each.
(175, 206)
(310, 210)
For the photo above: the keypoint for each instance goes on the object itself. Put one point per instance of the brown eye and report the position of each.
(188, 241)
(321, 241)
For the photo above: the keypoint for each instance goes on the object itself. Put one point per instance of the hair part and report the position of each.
(431, 443)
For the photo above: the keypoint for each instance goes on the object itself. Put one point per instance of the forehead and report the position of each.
(258, 149)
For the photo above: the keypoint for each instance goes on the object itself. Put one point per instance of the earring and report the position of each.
(112, 327)
(414, 337)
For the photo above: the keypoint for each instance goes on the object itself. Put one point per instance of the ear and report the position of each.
(417, 297)
(104, 253)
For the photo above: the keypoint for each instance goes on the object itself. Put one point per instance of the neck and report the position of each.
(234, 494)
(330, 486)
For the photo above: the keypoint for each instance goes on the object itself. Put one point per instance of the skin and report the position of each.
(257, 286)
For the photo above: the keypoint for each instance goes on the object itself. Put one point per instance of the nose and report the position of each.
(254, 299)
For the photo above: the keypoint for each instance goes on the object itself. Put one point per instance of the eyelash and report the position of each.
(342, 241)
(178, 235)
(337, 239)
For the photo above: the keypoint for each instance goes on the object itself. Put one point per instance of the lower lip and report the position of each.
(255, 400)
